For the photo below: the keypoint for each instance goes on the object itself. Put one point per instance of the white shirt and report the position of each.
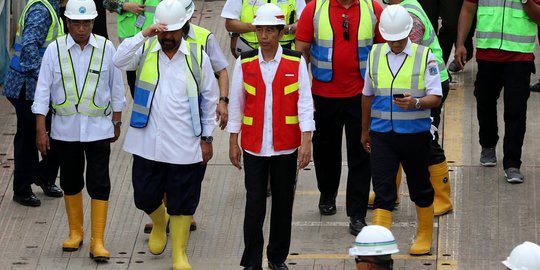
(78, 127)
(217, 58)
(268, 70)
(233, 8)
(432, 80)
(169, 135)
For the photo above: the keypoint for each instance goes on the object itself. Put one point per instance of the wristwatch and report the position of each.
(224, 99)
(207, 139)
(418, 105)
(117, 123)
(524, 1)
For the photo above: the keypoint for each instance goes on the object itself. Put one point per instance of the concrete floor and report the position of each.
(489, 218)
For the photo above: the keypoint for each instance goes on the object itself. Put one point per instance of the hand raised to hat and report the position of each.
(154, 29)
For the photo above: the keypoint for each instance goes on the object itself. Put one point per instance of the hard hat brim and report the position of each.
(81, 17)
(394, 37)
(268, 23)
(507, 263)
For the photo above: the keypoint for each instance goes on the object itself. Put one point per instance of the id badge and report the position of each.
(140, 21)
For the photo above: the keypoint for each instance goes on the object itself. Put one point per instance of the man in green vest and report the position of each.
(505, 42)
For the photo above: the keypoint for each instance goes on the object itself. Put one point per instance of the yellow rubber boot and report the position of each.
(424, 231)
(99, 220)
(382, 217)
(158, 236)
(75, 217)
(440, 179)
(179, 228)
(371, 199)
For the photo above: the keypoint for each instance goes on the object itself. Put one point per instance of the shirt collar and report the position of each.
(183, 49)
(407, 50)
(336, 3)
(92, 41)
(190, 33)
(277, 57)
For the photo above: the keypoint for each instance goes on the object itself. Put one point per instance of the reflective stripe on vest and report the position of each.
(56, 29)
(201, 35)
(430, 37)
(504, 25)
(285, 123)
(385, 116)
(83, 103)
(321, 52)
(249, 7)
(127, 20)
(148, 79)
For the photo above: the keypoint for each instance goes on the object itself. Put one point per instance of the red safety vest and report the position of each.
(285, 125)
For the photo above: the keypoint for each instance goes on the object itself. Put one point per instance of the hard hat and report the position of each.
(269, 14)
(524, 257)
(396, 23)
(190, 7)
(171, 13)
(81, 10)
(374, 240)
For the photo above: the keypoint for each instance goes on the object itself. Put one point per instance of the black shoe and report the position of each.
(356, 225)
(327, 205)
(535, 87)
(252, 268)
(277, 266)
(50, 190)
(30, 200)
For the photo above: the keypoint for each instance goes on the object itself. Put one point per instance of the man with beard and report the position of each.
(172, 121)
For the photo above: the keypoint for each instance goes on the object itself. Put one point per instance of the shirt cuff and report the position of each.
(306, 126)
(38, 108)
(233, 127)
(117, 106)
(207, 129)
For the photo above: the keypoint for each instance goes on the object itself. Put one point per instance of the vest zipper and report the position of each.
(392, 86)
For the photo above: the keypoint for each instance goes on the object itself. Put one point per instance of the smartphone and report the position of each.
(398, 96)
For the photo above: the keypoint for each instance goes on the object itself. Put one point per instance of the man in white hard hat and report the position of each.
(271, 106)
(525, 256)
(373, 248)
(402, 85)
(84, 88)
(170, 133)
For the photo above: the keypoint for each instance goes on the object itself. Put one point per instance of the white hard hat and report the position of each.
(524, 257)
(190, 7)
(171, 13)
(81, 10)
(269, 14)
(374, 240)
(396, 23)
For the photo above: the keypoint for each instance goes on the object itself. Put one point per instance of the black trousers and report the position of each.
(390, 149)
(331, 115)
(74, 156)
(490, 80)
(182, 183)
(448, 11)
(26, 157)
(131, 79)
(282, 171)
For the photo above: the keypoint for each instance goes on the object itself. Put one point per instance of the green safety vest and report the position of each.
(385, 115)
(83, 103)
(148, 79)
(322, 49)
(126, 21)
(201, 35)
(503, 25)
(56, 29)
(430, 37)
(249, 7)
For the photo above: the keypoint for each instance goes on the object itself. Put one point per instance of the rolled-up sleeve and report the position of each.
(305, 100)
(209, 99)
(236, 99)
(116, 83)
(42, 96)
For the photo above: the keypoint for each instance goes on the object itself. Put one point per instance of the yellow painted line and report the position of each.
(453, 125)
(339, 256)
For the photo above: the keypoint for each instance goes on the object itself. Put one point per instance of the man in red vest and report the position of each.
(271, 105)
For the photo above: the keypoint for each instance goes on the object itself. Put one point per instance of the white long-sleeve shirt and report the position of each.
(169, 135)
(237, 102)
(50, 87)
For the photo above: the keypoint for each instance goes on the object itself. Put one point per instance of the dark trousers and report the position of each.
(490, 79)
(331, 115)
(181, 182)
(74, 156)
(390, 149)
(131, 79)
(282, 171)
(26, 159)
(448, 11)
(437, 153)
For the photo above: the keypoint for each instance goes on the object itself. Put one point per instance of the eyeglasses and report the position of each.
(345, 25)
